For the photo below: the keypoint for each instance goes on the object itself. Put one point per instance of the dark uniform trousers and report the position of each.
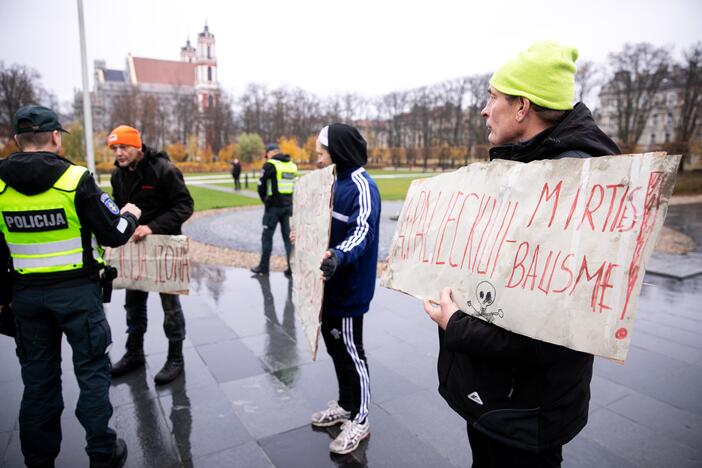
(173, 319)
(343, 338)
(271, 217)
(489, 453)
(42, 316)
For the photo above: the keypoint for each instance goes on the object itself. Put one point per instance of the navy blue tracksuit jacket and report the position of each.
(354, 239)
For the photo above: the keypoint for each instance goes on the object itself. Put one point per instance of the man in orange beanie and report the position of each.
(149, 179)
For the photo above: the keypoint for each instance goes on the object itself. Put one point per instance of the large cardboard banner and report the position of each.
(311, 222)
(158, 263)
(554, 250)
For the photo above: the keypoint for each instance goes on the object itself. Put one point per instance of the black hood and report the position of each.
(149, 152)
(346, 147)
(281, 157)
(576, 132)
(32, 173)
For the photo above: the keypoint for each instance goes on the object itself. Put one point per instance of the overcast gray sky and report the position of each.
(366, 46)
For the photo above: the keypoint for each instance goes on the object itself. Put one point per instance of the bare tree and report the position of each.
(278, 114)
(148, 121)
(477, 98)
(587, 79)
(689, 80)
(350, 107)
(125, 108)
(392, 106)
(185, 116)
(18, 87)
(304, 115)
(219, 123)
(457, 91)
(638, 73)
(253, 105)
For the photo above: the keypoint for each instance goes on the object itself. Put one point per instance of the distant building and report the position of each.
(166, 99)
(660, 125)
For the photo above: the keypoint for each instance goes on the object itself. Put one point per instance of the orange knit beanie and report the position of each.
(124, 135)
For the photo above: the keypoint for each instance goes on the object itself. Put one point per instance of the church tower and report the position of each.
(187, 53)
(206, 86)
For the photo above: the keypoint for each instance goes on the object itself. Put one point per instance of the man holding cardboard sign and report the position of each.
(146, 176)
(522, 398)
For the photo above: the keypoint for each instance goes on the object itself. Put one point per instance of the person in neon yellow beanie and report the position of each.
(522, 399)
(544, 74)
(532, 95)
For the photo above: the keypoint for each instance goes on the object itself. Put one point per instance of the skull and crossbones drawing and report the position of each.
(485, 293)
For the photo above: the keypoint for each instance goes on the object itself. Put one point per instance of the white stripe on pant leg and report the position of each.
(347, 333)
(361, 369)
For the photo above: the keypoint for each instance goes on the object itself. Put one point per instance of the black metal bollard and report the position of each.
(246, 180)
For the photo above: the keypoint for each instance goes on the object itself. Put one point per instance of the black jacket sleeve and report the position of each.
(470, 335)
(94, 210)
(267, 173)
(5, 273)
(182, 204)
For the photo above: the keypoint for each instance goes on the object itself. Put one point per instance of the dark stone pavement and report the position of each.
(688, 220)
(250, 386)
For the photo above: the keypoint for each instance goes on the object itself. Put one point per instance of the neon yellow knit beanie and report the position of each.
(544, 74)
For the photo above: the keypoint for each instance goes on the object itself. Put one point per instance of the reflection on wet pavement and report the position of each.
(250, 386)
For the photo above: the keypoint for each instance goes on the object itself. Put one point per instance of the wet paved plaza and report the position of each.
(250, 386)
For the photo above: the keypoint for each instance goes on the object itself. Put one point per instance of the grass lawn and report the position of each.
(394, 189)
(206, 199)
(399, 172)
(390, 189)
(201, 174)
(688, 183)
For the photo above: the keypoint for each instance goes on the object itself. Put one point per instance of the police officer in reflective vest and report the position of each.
(275, 187)
(53, 221)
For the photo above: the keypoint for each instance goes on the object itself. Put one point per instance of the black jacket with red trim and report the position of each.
(157, 187)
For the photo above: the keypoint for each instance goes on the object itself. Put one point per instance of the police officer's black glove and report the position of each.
(329, 265)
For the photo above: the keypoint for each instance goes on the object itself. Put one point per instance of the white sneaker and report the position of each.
(352, 433)
(334, 414)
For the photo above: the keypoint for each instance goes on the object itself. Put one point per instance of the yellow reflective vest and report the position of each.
(285, 173)
(42, 231)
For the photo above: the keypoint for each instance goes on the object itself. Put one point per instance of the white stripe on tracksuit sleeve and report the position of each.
(355, 243)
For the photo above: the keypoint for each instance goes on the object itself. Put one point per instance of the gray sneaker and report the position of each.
(352, 433)
(334, 414)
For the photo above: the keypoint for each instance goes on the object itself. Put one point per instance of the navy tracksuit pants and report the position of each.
(343, 338)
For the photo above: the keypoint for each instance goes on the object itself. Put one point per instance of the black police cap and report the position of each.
(36, 119)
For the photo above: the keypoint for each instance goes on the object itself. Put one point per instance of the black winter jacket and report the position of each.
(157, 187)
(35, 172)
(520, 391)
(236, 170)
